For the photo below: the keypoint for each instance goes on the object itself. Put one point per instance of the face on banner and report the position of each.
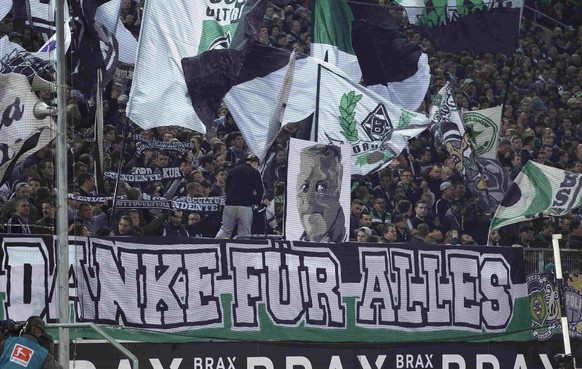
(318, 193)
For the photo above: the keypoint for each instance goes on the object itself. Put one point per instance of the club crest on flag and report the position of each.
(482, 125)
(378, 128)
(378, 125)
(221, 42)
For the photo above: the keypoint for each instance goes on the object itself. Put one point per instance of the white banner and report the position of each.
(318, 192)
(273, 290)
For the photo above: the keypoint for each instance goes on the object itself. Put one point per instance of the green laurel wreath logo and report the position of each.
(347, 115)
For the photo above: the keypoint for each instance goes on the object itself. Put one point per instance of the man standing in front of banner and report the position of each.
(244, 188)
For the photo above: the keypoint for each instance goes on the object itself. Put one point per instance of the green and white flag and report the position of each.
(377, 129)
(331, 38)
(171, 31)
(337, 39)
(539, 191)
(484, 126)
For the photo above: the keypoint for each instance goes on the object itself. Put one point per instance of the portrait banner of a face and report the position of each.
(318, 192)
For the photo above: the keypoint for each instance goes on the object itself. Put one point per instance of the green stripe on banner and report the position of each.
(184, 289)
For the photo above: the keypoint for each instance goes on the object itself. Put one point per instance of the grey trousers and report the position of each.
(236, 215)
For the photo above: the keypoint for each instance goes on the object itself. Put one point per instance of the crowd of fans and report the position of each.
(419, 197)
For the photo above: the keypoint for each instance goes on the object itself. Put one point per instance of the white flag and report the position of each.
(170, 31)
(377, 129)
(108, 15)
(484, 124)
(16, 105)
(19, 124)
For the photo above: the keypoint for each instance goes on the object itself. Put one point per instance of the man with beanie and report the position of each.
(244, 188)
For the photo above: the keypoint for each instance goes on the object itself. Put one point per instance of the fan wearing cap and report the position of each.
(25, 351)
(244, 188)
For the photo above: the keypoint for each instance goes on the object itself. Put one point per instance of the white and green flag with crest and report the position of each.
(377, 129)
(539, 191)
(484, 125)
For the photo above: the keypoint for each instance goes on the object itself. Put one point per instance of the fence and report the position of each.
(537, 259)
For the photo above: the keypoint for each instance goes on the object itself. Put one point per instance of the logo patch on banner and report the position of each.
(21, 355)
(544, 305)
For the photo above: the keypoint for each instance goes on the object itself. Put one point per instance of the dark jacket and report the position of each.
(575, 242)
(244, 186)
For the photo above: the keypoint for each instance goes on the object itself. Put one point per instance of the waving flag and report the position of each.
(377, 130)
(15, 59)
(481, 26)
(22, 132)
(539, 191)
(196, 26)
(484, 124)
(96, 47)
(365, 42)
(451, 135)
(108, 15)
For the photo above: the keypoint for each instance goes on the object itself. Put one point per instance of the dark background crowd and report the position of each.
(419, 197)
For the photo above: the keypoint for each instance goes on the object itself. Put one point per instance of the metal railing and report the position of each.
(103, 334)
(537, 259)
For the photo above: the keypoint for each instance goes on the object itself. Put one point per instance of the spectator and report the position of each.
(379, 214)
(525, 237)
(575, 235)
(46, 225)
(18, 222)
(90, 220)
(244, 188)
(363, 234)
(173, 227)
(544, 237)
(124, 227)
(389, 235)
(402, 232)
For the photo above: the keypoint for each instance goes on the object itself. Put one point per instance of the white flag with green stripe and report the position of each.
(539, 191)
(171, 31)
(331, 38)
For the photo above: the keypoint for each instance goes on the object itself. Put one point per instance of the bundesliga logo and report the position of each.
(21, 355)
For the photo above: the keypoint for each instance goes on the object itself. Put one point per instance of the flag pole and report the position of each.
(569, 362)
(61, 174)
